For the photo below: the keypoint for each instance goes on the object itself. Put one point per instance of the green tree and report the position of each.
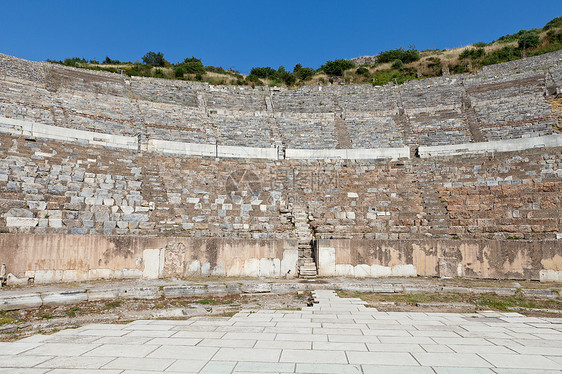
(337, 67)
(154, 59)
(527, 39)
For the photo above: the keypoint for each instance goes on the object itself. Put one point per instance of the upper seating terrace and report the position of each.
(504, 101)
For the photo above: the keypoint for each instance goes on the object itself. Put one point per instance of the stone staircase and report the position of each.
(472, 120)
(306, 265)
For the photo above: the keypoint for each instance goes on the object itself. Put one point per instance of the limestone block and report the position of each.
(206, 268)
(64, 297)
(193, 267)
(219, 270)
(255, 287)
(251, 267)
(140, 292)
(26, 301)
(101, 294)
(270, 267)
(55, 223)
(378, 271)
(21, 222)
(362, 271)
(47, 276)
(289, 262)
(181, 291)
(404, 271)
(94, 274)
(70, 276)
(153, 261)
(345, 270)
(127, 274)
(127, 209)
(326, 261)
(550, 276)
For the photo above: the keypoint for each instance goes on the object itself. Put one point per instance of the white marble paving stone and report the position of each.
(230, 343)
(385, 369)
(61, 349)
(76, 362)
(283, 344)
(339, 346)
(123, 363)
(320, 368)
(121, 350)
(84, 371)
(13, 361)
(16, 347)
(216, 367)
(519, 361)
(187, 366)
(248, 354)
(319, 357)
(451, 359)
(382, 358)
(264, 367)
(183, 352)
(23, 371)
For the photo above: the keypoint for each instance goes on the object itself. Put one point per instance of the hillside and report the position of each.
(397, 66)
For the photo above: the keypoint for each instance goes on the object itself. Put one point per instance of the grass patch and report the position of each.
(113, 304)
(481, 300)
(6, 318)
(72, 311)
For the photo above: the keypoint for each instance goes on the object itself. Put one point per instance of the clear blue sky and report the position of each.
(244, 33)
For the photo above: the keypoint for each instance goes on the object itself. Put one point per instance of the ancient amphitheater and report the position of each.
(104, 176)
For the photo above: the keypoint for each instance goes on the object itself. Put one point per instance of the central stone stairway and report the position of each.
(306, 265)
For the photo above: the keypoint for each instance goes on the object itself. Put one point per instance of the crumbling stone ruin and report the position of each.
(319, 166)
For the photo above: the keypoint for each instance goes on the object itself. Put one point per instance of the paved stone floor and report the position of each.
(334, 336)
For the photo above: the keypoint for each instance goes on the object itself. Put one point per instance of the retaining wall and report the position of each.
(443, 258)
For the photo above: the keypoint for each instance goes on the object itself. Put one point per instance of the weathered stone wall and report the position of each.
(443, 258)
(56, 258)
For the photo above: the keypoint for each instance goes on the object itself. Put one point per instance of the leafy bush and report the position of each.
(337, 67)
(409, 55)
(472, 53)
(480, 44)
(397, 64)
(264, 72)
(193, 65)
(507, 53)
(154, 59)
(528, 39)
(109, 61)
(362, 71)
(179, 72)
(382, 77)
(304, 74)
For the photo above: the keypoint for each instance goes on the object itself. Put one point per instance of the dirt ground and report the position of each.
(20, 323)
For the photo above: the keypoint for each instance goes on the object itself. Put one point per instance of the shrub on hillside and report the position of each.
(472, 53)
(362, 71)
(528, 39)
(264, 72)
(382, 77)
(337, 67)
(406, 56)
(109, 61)
(304, 74)
(555, 22)
(397, 64)
(193, 65)
(154, 59)
(507, 53)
